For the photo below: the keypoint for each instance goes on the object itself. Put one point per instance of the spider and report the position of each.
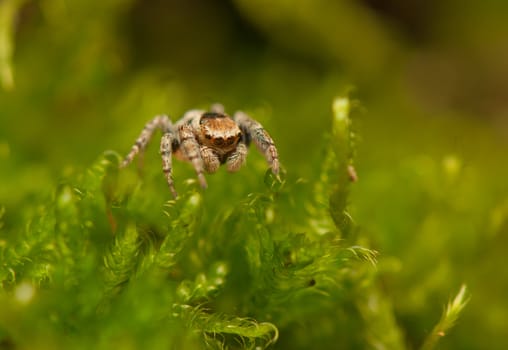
(206, 140)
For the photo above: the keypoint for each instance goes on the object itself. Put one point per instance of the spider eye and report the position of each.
(219, 141)
(208, 136)
(230, 140)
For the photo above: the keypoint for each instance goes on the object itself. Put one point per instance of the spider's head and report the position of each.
(219, 131)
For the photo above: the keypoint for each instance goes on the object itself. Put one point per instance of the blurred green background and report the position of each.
(80, 77)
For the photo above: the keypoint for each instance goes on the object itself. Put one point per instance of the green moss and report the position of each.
(382, 211)
(101, 265)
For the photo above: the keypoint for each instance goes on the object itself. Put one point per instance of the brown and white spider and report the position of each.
(207, 140)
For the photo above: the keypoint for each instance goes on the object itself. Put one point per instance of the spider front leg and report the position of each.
(236, 159)
(162, 122)
(190, 148)
(210, 159)
(255, 132)
(165, 150)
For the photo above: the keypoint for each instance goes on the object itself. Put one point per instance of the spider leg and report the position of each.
(190, 148)
(165, 150)
(217, 108)
(236, 159)
(161, 121)
(210, 159)
(255, 132)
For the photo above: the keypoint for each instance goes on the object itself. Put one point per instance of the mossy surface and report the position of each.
(388, 226)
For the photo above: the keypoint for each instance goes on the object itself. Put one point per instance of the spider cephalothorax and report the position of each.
(207, 140)
(219, 132)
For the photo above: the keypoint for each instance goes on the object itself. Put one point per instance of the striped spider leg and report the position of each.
(254, 131)
(168, 141)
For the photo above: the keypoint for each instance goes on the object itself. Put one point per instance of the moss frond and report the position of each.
(337, 173)
(121, 261)
(448, 319)
(219, 330)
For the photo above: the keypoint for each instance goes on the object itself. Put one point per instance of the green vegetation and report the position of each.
(386, 230)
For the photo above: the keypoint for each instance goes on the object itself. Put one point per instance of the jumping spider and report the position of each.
(207, 140)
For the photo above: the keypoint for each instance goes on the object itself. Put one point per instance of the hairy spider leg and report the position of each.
(165, 150)
(255, 132)
(217, 108)
(237, 158)
(190, 148)
(159, 122)
(211, 161)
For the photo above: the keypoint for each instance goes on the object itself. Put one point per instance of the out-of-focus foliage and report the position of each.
(90, 256)
(8, 11)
